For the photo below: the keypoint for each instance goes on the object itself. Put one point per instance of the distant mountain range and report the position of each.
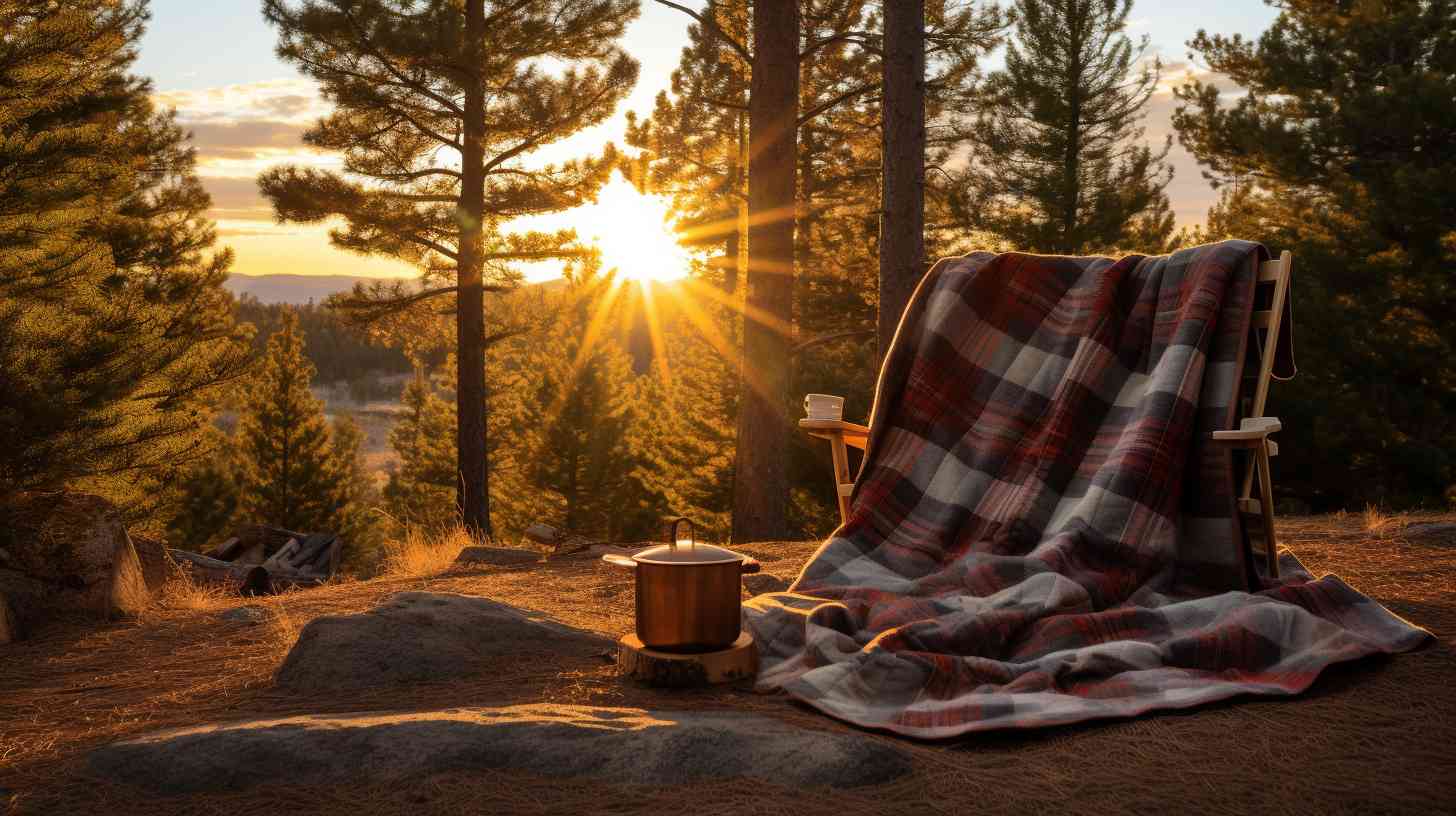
(292, 288)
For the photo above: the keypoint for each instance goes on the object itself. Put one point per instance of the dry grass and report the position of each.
(182, 593)
(1380, 524)
(421, 553)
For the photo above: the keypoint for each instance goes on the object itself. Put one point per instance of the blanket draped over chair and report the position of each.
(1040, 533)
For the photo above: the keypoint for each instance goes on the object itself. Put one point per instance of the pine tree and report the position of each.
(358, 522)
(1058, 164)
(115, 332)
(1340, 152)
(694, 149)
(590, 398)
(438, 104)
(290, 475)
(902, 144)
(421, 491)
(206, 501)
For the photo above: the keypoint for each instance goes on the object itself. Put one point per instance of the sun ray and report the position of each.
(654, 333)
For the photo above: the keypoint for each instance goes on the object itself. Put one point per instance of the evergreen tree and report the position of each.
(1340, 152)
(115, 332)
(587, 402)
(438, 104)
(1058, 163)
(421, 491)
(694, 149)
(206, 501)
(358, 522)
(290, 471)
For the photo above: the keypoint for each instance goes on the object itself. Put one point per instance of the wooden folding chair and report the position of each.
(1254, 427)
(1252, 435)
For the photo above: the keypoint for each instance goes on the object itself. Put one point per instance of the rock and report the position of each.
(251, 615)
(424, 636)
(157, 566)
(620, 745)
(75, 549)
(763, 582)
(1444, 530)
(497, 556)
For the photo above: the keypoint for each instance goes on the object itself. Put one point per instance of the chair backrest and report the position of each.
(1271, 292)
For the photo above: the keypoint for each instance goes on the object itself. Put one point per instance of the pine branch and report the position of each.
(712, 26)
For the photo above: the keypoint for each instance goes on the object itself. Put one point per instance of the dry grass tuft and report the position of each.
(1380, 524)
(421, 553)
(182, 593)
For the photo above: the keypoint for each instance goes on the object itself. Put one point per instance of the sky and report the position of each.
(214, 63)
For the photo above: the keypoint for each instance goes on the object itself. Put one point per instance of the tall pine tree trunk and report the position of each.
(902, 216)
(470, 395)
(760, 479)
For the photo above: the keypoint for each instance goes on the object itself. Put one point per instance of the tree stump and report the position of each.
(683, 670)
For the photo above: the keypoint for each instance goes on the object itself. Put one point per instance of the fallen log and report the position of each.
(284, 557)
(243, 576)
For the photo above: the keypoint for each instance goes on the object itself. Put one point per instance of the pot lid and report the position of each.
(687, 554)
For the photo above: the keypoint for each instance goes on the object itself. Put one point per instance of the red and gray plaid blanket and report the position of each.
(1040, 533)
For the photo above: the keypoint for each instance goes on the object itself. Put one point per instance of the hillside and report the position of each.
(295, 289)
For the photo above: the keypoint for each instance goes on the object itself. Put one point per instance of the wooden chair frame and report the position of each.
(1252, 435)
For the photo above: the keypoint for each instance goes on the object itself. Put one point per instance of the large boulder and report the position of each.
(158, 567)
(614, 745)
(424, 636)
(69, 551)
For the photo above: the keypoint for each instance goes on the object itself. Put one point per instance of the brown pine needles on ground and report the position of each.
(1369, 736)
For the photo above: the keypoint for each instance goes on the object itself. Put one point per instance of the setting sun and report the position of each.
(634, 234)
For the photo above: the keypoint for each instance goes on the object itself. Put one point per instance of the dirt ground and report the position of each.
(1372, 737)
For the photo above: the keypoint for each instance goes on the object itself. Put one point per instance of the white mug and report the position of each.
(824, 406)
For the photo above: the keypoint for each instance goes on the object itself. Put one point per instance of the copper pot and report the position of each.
(688, 597)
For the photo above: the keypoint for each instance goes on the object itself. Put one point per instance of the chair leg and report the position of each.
(840, 452)
(1266, 507)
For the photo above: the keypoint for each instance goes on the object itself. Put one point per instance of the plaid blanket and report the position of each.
(1040, 533)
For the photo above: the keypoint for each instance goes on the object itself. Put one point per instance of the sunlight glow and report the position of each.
(634, 234)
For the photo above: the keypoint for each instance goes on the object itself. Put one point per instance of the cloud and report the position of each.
(290, 100)
(241, 130)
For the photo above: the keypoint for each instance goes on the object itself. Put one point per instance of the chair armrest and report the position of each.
(853, 434)
(1252, 429)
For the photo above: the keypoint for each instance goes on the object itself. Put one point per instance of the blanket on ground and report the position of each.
(1039, 533)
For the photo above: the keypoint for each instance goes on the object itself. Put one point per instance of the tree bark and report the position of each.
(473, 488)
(760, 479)
(902, 199)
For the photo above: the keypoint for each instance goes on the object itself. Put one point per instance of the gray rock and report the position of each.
(1430, 529)
(497, 556)
(763, 582)
(629, 746)
(157, 566)
(251, 615)
(424, 636)
(74, 549)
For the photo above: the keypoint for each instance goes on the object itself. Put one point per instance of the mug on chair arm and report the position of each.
(824, 406)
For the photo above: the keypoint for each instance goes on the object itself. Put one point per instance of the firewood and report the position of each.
(284, 557)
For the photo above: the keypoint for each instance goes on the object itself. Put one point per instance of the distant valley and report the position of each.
(294, 289)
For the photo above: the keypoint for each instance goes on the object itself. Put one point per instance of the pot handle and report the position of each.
(750, 566)
(619, 560)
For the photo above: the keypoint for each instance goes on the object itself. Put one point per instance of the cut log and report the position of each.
(225, 551)
(313, 551)
(284, 557)
(680, 670)
(237, 576)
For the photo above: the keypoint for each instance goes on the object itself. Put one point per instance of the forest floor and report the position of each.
(1370, 737)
